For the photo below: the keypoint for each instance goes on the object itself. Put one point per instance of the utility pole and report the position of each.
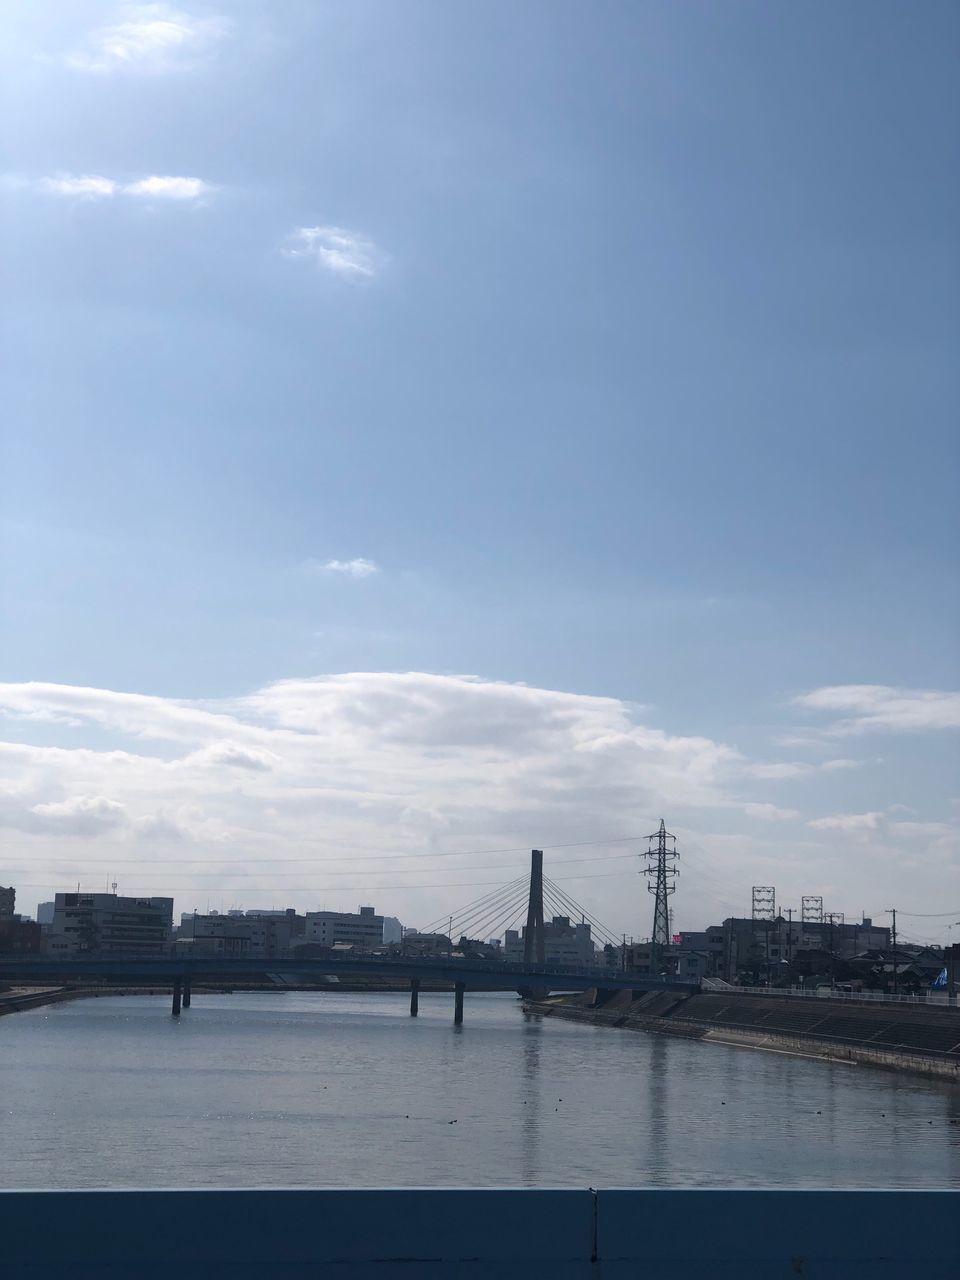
(789, 941)
(892, 911)
(660, 867)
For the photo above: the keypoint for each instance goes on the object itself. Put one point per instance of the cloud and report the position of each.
(768, 812)
(346, 254)
(787, 769)
(356, 568)
(152, 38)
(851, 822)
(347, 787)
(97, 187)
(81, 815)
(168, 188)
(228, 755)
(89, 186)
(878, 706)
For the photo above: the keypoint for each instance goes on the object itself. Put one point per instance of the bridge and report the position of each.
(181, 975)
(531, 976)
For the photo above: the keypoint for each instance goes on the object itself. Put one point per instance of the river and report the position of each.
(349, 1090)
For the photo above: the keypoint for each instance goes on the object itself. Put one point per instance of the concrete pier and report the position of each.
(177, 996)
(186, 993)
(458, 1003)
(414, 997)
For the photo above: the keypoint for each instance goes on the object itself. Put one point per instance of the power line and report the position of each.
(382, 857)
(266, 867)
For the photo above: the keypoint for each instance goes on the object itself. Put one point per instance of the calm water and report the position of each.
(342, 1090)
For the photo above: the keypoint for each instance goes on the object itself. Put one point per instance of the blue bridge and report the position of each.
(181, 975)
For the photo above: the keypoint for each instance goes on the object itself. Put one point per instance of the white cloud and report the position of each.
(97, 187)
(878, 706)
(81, 815)
(149, 38)
(342, 253)
(786, 769)
(88, 185)
(768, 812)
(168, 188)
(357, 768)
(851, 822)
(359, 567)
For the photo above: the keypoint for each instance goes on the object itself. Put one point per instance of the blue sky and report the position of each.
(614, 341)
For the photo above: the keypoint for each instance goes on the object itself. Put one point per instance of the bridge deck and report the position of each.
(163, 970)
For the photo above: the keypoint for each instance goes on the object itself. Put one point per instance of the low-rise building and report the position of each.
(19, 937)
(362, 930)
(239, 934)
(106, 924)
(746, 949)
(415, 943)
(8, 902)
(563, 943)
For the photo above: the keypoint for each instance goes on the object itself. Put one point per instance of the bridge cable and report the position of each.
(579, 909)
(599, 933)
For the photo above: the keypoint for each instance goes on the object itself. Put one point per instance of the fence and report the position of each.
(833, 993)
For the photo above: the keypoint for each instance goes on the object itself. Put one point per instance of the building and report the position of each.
(105, 924)
(563, 943)
(415, 943)
(763, 951)
(19, 937)
(239, 934)
(45, 913)
(363, 930)
(8, 900)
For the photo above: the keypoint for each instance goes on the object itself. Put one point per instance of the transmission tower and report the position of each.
(764, 902)
(812, 905)
(660, 867)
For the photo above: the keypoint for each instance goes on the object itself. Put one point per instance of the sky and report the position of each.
(438, 430)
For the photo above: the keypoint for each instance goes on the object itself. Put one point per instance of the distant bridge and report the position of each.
(180, 975)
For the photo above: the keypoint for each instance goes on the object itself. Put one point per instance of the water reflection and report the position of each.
(531, 1035)
(658, 1162)
(349, 1090)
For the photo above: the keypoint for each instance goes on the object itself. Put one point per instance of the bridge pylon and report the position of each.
(534, 945)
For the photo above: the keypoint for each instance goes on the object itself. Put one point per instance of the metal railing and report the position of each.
(832, 993)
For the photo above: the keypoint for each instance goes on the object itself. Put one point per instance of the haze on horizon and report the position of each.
(435, 431)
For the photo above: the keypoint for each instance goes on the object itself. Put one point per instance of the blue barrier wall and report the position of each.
(564, 1235)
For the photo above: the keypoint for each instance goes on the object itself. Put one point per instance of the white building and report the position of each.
(564, 943)
(107, 924)
(363, 930)
(392, 930)
(239, 934)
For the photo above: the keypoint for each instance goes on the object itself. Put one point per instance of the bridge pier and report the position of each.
(414, 997)
(186, 992)
(177, 996)
(457, 1003)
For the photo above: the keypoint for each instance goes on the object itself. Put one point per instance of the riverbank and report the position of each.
(912, 1039)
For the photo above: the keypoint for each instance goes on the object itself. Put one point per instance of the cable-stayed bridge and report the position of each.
(484, 916)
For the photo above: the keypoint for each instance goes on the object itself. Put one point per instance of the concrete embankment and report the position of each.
(923, 1040)
(18, 999)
